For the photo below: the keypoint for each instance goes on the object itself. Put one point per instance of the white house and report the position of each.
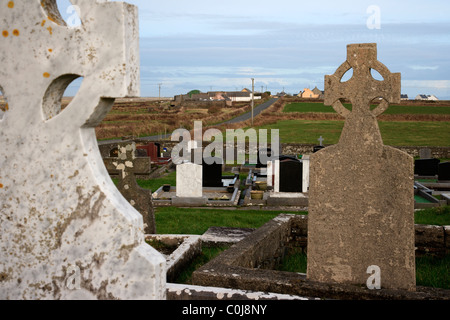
(425, 97)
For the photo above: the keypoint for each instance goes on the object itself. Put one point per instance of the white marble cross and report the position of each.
(65, 230)
(321, 140)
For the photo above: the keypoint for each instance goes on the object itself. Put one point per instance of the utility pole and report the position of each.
(159, 85)
(253, 97)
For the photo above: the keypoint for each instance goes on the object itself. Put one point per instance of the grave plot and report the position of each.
(200, 185)
(426, 198)
(179, 250)
(432, 181)
(251, 265)
(284, 182)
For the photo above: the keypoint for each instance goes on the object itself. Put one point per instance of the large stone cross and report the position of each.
(65, 230)
(127, 165)
(361, 197)
(361, 90)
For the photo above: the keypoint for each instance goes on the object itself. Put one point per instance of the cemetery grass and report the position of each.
(399, 133)
(435, 216)
(172, 220)
(306, 107)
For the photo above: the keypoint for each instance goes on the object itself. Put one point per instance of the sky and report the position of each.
(286, 45)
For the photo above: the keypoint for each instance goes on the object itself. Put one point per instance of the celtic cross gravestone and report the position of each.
(65, 230)
(127, 165)
(361, 205)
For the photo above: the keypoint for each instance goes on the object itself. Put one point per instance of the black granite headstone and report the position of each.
(426, 167)
(263, 156)
(317, 148)
(291, 175)
(444, 171)
(212, 172)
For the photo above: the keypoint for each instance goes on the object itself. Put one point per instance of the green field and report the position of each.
(306, 107)
(393, 133)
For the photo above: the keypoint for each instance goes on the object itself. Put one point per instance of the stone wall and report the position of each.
(300, 149)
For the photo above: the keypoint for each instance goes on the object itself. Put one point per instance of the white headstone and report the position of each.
(305, 179)
(66, 232)
(189, 180)
(276, 173)
(270, 173)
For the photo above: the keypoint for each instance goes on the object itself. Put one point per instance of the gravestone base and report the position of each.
(189, 202)
(287, 199)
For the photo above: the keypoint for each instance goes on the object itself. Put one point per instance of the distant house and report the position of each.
(234, 96)
(425, 97)
(404, 97)
(281, 94)
(308, 93)
(320, 93)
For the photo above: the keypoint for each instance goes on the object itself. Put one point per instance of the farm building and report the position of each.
(425, 97)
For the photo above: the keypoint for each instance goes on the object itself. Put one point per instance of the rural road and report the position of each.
(256, 111)
(244, 117)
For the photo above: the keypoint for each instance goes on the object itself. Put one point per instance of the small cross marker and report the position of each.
(321, 140)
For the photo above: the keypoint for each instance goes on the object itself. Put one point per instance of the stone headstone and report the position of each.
(212, 172)
(425, 153)
(291, 175)
(444, 171)
(426, 167)
(65, 230)
(189, 180)
(128, 166)
(152, 150)
(361, 197)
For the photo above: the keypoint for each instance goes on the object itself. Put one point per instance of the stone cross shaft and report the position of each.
(65, 230)
(361, 196)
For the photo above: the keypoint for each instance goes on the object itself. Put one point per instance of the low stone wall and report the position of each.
(429, 239)
(436, 152)
(295, 149)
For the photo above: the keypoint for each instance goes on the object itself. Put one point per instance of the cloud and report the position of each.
(421, 68)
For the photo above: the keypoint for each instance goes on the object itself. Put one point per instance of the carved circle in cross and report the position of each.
(362, 88)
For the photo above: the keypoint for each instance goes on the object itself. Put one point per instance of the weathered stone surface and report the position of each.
(361, 200)
(65, 230)
(219, 236)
